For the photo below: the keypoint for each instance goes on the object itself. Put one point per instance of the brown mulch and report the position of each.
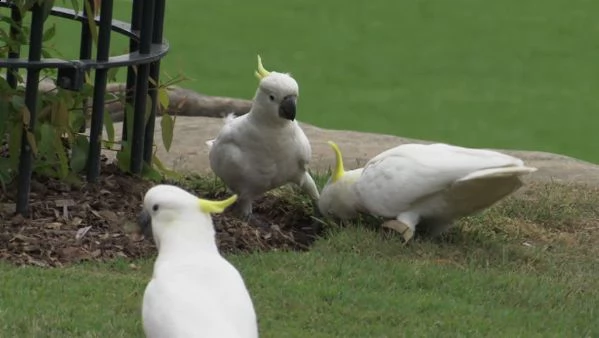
(97, 222)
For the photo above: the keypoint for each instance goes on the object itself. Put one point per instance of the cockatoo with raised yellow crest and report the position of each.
(194, 291)
(427, 185)
(265, 148)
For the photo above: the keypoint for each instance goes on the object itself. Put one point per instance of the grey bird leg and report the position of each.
(406, 232)
(308, 186)
(405, 224)
(243, 208)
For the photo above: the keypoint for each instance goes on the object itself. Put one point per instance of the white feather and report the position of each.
(226, 120)
(439, 182)
(407, 176)
(261, 150)
(194, 291)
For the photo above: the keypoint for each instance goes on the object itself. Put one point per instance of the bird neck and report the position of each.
(349, 202)
(259, 115)
(187, 238)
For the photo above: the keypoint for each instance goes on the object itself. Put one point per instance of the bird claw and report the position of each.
(406, 232)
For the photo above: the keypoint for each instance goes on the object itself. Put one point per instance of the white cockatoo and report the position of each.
(415, 184)
(226, 120)
(265, 148)
(194, 291)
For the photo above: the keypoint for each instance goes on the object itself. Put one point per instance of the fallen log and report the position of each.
(182, 102)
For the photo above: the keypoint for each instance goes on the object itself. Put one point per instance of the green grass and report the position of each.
(477, 280)
(505, 74)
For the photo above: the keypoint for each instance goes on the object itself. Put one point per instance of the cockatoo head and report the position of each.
(169, 210)
(338, 197)
(276, 95)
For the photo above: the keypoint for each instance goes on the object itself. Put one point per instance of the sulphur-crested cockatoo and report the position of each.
(415, 184)
(226, 120)
(194, 291)
(265, 148)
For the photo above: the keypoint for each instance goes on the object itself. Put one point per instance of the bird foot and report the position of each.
(406, 232)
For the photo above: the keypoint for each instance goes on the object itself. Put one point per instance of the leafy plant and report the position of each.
(59, 147)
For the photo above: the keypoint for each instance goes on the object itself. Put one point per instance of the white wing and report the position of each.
(230, 117)
(202, 298)
(252, 159)
(233, 157)
(399, 178)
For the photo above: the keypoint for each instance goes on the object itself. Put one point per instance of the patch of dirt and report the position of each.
(97, 221)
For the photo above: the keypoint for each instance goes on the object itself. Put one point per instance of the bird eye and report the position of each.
(155, 207)
(271, 97)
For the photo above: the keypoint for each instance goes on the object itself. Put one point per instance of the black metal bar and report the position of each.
(118, 26)
(26, 159)
(15, 29)
(93, 164)
(136, 12)
(156, 53)
(158, 28)
(85, 51)
(141, 89)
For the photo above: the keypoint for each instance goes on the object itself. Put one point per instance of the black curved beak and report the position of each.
(144, 220)
(287, 107)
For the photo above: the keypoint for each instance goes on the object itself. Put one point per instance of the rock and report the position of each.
(189, 152)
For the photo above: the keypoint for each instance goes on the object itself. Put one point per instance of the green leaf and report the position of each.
(91, 22)
(49, 33)
(7, 172)
(79, 153)
(163, 98)
(47, 7)
(4, 117)
(46, 54)
(112, 74)
(26, 116)
(4, 86)
(14, 143)
(150, 173)
(32, 143)
(123, 157)
(148, 109)
(17, 102)
(45, 169)
(163, 169)
(47, 137)
(75, 5)
(63, 161)
(129, 113)
(62, 115)
(168, 128)
(76, 120)
(109, 125)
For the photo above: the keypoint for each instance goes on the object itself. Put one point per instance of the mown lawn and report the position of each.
(506, 74)
(526, 268)
(503, 74)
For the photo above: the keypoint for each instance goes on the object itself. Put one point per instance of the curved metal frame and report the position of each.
(157, 50)
(146, 49)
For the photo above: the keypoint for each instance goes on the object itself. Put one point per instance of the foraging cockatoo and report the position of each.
(194, 291)
(265, 148)
(415, 184)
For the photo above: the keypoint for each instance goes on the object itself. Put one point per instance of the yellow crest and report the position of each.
(216, 207)
(261, 72)
(339, 171)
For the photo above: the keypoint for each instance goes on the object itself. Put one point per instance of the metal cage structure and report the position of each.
(146, 48)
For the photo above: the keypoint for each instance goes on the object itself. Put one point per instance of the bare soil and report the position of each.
(98, 225)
